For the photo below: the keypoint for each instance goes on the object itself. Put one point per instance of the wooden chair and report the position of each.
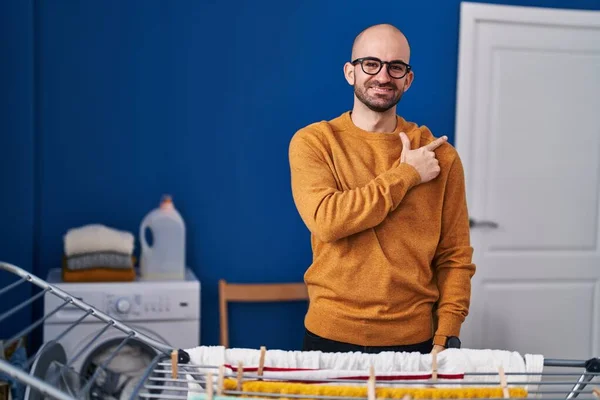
(255, 293)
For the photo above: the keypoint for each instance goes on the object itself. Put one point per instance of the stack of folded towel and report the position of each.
(97, 253)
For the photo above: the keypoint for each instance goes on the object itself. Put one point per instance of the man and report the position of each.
(386, 207)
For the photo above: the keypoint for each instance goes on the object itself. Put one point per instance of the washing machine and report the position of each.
(166, 311)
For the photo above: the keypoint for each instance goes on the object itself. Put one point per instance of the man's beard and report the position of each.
(376, 103)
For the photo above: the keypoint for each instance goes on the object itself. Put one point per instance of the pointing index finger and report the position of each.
(436, 143)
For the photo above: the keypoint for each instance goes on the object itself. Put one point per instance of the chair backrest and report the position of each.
(255, 293)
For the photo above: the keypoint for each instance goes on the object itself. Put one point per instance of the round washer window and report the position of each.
(123, 372)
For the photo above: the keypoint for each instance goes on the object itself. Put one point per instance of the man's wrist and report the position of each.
(447, 341)
(439, 340)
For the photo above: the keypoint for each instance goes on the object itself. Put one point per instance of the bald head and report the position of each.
(383, 41)
(379, 89)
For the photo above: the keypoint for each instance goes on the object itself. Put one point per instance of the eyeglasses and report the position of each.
(372, 65)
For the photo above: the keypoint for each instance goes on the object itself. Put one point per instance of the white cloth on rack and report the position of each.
(455, 366)
(95, 238)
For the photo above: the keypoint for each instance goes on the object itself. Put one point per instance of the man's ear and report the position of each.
(409, 80)
(349, 73)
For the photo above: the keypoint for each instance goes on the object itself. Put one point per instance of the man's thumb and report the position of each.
(405, 146)
(405, 142)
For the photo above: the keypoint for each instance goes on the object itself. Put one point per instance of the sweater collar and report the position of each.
(355, 130)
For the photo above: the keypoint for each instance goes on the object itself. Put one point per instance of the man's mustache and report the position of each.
(385, 85)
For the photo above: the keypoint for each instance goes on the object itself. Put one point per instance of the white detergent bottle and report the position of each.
(165, 259)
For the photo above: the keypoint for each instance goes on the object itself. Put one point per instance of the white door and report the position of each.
(528, 132)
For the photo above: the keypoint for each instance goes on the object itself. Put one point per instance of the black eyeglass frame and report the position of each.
(381, 64)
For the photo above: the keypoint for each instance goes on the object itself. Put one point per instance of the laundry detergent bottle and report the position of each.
(165, 258)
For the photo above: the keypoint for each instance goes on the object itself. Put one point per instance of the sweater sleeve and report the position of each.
(331, 213)
(453, 259)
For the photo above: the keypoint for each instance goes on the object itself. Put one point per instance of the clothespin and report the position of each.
(261, 360)
(596, 392)
(240, 374)
(503, 383)
(174, 357)
(434, 365)
(220, 380)
(209, 386)
(371, 395)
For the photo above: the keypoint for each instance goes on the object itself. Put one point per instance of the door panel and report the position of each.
(529, 136)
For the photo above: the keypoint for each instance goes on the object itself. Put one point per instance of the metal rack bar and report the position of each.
(31, 327)
(11, 286)
(253, 376)
(147, 373)
(89, 383)
(82, 351)
(580, 386)
(59, 337)
(556, 362)
(39, 385)
(22, 305)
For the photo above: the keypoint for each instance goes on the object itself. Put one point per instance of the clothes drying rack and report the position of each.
(48, 374)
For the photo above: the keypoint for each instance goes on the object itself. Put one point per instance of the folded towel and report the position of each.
(100, 259)
(454, 366)
(339, 391)
(97, 238)
(397, 392)
(99, 275)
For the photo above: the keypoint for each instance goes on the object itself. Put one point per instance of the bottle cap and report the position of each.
(166, 201)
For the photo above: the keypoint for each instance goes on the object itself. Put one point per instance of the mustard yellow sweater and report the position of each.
(386, 247)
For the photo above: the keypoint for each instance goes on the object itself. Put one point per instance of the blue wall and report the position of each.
(107, 105)
(17, 147)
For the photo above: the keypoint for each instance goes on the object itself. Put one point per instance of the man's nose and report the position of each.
(383, 74)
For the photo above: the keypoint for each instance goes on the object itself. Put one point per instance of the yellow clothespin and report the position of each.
(174, 358)
(261, 361)
(220, 380)
(240, 374)
(503, 383)
(371, 394)
(434, 365)
(209, 386)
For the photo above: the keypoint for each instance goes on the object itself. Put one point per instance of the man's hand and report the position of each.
(437, 348)
(423, 158)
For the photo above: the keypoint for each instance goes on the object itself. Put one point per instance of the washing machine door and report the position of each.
(125, 366)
